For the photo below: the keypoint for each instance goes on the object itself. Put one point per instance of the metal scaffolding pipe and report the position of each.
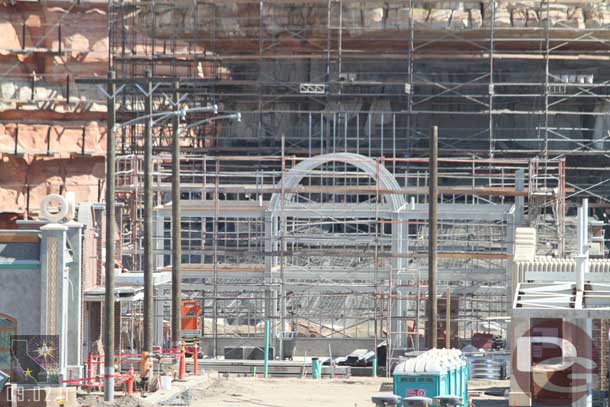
(148, 226)
(448, 318)
(176, 227)
(582, 257)
(432, 241)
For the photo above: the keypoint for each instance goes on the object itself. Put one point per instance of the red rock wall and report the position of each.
(42, 176)
(36, 139)
(51, 161)
(237, 24)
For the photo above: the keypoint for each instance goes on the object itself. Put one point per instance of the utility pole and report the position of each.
(110, 219)
(432, 240)
(148, 227)
(176, 227)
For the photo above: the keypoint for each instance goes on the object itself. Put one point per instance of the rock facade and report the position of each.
(52, 130)
(243, 19)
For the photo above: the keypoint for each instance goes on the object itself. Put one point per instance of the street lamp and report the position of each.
(176, 220)
(233, 116)
(181, 113)
(150, 119)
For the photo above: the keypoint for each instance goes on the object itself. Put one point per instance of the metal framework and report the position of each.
(312, 211)
(371, 78)
(336, 261)
(335, 245)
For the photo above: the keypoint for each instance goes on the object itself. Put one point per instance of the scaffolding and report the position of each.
(326, 249)
(311, 211)
(372, 77)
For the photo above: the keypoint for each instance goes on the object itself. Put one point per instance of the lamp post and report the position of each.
(152, 119)
(109, 265)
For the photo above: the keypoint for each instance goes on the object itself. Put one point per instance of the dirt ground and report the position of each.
(218, 391)
(354, 392)
(234, 392)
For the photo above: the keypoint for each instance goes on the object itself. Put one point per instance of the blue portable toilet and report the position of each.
(437, 372)
(458, 373)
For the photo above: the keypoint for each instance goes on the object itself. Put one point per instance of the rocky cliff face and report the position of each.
(356, 18)
(52, 130)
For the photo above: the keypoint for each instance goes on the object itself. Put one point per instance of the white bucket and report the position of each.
(166, 382)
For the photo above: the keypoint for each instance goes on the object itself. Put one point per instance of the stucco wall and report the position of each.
(20, 298)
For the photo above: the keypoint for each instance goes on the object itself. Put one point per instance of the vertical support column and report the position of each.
(109, 266)
(432, 241)
(74, 309)
(266, 350)
(328, 43)
(148, 226)
(491, 90)
(54, 289)
(448, 319)
(512, 276)
(376, 293)
(268, 225)
(176, 227)
(582, 258)
(270, 248)
(520, 396)
(398, 305)
(583, 345)
(520, 200)
(547, 54)
(268, 277)
(215, 256)
(561, 206)
(282, 255)
(259, 89)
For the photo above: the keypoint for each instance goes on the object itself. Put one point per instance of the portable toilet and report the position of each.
(423, 376)
(458, 373)
(454, 366)
(437, 372)
(462, 375)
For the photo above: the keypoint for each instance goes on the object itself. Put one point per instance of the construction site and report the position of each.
(314, 188)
